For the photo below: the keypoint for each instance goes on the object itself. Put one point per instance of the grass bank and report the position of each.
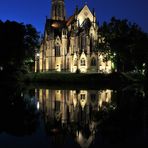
(81, 79)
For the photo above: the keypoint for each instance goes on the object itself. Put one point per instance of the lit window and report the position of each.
(83, 62)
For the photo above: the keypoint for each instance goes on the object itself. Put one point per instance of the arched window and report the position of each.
(93, 62)
(84, 41)
(57, 51)
(75, 62)
(83, 62)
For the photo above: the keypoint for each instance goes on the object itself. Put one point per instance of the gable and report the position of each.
(85, 13)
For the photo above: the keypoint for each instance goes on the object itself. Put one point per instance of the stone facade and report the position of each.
(72, 45)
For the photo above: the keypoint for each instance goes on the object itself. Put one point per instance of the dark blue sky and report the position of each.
(35, 11)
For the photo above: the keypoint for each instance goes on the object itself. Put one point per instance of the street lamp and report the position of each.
(37, 54)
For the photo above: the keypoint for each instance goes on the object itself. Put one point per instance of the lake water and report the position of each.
(43, 117)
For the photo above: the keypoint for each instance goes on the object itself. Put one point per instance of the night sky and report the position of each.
(34, 11)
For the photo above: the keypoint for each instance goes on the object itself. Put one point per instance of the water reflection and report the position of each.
(18, 111)
(73, 110)
(73, 118)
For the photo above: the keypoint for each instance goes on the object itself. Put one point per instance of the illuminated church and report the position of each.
(72, 45)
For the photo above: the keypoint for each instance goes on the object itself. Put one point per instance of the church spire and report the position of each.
(58, 10)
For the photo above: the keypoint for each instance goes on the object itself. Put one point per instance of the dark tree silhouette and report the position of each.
(129, 43)
(18, 114)
(18, 44)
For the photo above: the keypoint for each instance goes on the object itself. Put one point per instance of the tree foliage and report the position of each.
(129, 43)
(18, 43)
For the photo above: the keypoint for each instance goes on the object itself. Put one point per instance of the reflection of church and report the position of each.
(74, 107)
(72, 44)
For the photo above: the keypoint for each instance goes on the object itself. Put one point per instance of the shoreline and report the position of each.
(89, 81)
(81, 78)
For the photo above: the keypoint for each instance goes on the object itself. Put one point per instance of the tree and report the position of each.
(129, 43)
(138, 47)
(18, 43)
(31, 43)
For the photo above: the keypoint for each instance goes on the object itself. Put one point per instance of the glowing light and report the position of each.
(38, 105)
(143, 64)
(37, 54)
(80, 136)
(74, 102)
(55, 25)
(22, 94)
(105, 96)
(1, 68)
(83, 99)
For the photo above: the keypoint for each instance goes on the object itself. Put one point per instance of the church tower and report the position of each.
(73, 44)
(58, 10)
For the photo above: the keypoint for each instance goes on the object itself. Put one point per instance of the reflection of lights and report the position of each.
(54, 130)
(83, 99)
(84, 142)
(83, 103)
(63, 107)
(100, 103)
(143, 93)
(1, 68)
(47, 93)
(22, 94)
(105, 96)
(114, 107)
(38, 105)
(74, 102)
(58, 95)
(80, 136)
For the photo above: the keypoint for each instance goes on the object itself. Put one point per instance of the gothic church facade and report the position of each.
(71, 45)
